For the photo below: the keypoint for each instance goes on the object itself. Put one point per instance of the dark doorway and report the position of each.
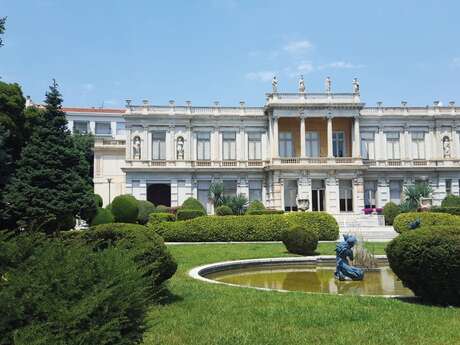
(317, 195)
(159, 194)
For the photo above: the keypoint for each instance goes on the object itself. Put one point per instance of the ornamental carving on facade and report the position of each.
(180, 148)
(137, 148)
(446, 147)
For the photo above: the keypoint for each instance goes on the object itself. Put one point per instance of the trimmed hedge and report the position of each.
(125, 209)
(155, 218)
(403, 221)
(224, 228)
(193, 204)
(185, 214)
(266, 211)
(255, 207)
(224, 210)
(390, 211)
(103, 216)
(98, 200)
(428, 262)
(145, 208)
(451, 201)
(322, 223)
(451, 210)
(299, 240)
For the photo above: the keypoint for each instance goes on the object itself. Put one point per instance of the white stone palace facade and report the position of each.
(327, 148)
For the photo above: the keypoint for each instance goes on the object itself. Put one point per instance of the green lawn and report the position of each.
(203, 313)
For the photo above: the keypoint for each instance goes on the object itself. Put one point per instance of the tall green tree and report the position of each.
(2, 29)
(49, 189)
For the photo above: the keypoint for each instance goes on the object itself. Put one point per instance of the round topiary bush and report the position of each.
(255, 207)
(162, 209)
(193, 204)
(299, 240)
(322, 223)
(98, 199)
(185, 214)
(157, 217)
(390, 211)
(103, 216)
(224, 210)
(145, 208)
(125, 209)
(428, 262)
(451, 201)
(405, 221)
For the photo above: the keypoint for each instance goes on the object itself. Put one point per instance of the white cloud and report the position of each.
(456, 62)
(88, 87)
(305, 67)
(111, 102)
(296, 47)
(263, 76)
(340, 65)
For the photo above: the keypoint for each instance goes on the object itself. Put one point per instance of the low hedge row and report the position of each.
(404, 221)
(268, 227)
(455, 210)
(428, 262)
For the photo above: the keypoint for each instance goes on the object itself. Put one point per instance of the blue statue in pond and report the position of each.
(344, 251)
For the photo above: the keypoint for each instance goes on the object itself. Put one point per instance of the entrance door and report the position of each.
(317, 195)
(290, 195)
(159, 194)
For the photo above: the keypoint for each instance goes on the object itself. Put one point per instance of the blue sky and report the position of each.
(104, 51)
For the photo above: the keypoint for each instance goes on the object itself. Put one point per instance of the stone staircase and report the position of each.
(366, 227)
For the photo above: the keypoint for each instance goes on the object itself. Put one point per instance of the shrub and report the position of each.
(216, 193)
(412, 195)
(162, 209)
(224, 228)
(85, 298)
(299, 240)
(103, 216)
(193, 204)
(184, 214)
(390, 211)
(155, 218)
(224, 210)
(404, 221)
(322, 223)
(428, 262)
(147, 248)
(267, 211)
(451, 210)
(125, 209)
(451, 201)
(145, 208)
(237, 203)
(255, 207)
(98, 199)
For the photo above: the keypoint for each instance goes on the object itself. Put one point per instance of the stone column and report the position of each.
(332, 195)
(172, 144)
(275, 137)
(302, 136)
(329, 137)
(270, 137)
(215, 145)
(356, 139)
(383, 192)
(358, 194)
(129, 143)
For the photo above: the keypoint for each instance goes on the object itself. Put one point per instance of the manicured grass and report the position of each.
(202, 313)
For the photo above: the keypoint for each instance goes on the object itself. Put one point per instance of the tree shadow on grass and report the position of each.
(419, 301)
(166, 297)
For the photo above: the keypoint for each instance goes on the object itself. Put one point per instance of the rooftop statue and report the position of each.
(355, 85)
(344, 251)
(275, 84)
(301, 84)
(328, 85)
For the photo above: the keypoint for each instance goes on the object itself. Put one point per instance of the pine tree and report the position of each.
(49, 187)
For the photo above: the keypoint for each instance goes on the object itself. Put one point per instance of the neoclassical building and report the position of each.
(327, 148)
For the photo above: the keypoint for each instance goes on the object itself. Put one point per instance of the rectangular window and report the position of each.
(254, 146)
(255, 190)
(368, 145)
(312, 144)
(103, 128)
(395, 191)
(120, 128)
(448, 187)
(229, 187)
(229, 145)
(203, 146)
(418, 145)
(370, 188)
(285, 144)
(203, 193)
(346, 196)
(338, 144)
(393, 146)
(159, 145)
(80, 127)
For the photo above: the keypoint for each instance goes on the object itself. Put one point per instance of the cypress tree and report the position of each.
(49, 187)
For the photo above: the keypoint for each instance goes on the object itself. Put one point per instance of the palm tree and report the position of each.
(216, 193)
(238, 204)
(413, 194)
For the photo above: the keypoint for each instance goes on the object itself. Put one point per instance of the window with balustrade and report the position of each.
(393, 145)
(338, 144)
(255, 190)
(203, 145)
(345, 196)
(368, 145)
(370, 190)
(312, 144)
(286, 147)
(418, 145)
(103, 128)
(80, 127)
(159, 145)
(254, 146)
(229, 145)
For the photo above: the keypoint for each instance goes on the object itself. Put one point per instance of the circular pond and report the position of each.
(306, 275)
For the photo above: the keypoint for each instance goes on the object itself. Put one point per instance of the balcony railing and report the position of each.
(316, 160)
(404, 163)
(131, 163)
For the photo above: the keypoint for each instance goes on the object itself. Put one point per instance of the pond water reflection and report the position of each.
(313, 279)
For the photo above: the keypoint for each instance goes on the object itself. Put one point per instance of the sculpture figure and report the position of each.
(275, 84)
(328, 85)
(137, 148)
(301, 84)
(344, 251)
(355, 85)
(446, 146)
(180, 148)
